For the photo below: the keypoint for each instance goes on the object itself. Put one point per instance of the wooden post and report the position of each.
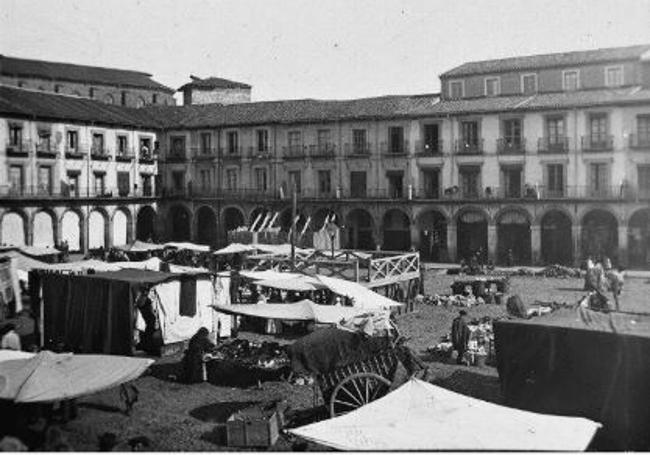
(294, 209)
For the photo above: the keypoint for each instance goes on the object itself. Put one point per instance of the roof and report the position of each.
(531, 62)
(212, 83)
(12, 66)
(40, 105)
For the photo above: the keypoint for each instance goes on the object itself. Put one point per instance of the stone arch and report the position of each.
(360, 225)
(44, 228)
(206, 225)
(121, 225)
(98, 228)
(556, 237)
(14, 228)
(472, 233)
(285, 220)
(432, 225)
(513, 236)
(638, 231)
(72, 229)
(180, 222)
(396, 227)
(262, 212)
(320, 215)
(599, 234)
(145, 224)
(232, 217)
(554, 208)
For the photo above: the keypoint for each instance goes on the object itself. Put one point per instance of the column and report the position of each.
(492, 242)
(451, 241)
(622, 246)
(535, 244)
(576, 233)
(415, 236)
(83, 233)
(29, 228)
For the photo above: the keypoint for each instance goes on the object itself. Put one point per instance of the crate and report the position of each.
(253, 427)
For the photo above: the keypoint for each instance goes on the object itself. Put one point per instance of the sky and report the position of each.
(334, 49)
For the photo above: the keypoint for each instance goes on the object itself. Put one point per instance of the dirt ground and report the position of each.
(179, 417)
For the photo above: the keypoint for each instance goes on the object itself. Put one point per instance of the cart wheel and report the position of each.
(357, 390)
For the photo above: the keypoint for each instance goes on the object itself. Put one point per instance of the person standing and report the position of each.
(9, 338)
(199, 345)
(460, 335)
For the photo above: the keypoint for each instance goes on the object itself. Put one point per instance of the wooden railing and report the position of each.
(394, 268)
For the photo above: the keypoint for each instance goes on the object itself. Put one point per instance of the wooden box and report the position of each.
(253, 427)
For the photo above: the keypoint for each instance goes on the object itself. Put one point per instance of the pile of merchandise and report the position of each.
(551, 271)
(481, 342)
(265, 355)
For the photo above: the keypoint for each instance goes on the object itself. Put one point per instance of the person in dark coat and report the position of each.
(193, 359)
(460, 335)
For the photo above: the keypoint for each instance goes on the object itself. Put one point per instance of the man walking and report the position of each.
(460, 336)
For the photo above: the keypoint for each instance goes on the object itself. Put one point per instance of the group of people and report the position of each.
(20, 332)
(601, 279)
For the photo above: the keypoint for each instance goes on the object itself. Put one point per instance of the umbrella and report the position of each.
(53, 377)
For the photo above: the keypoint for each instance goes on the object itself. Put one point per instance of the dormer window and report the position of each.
(570, 80)
(529, 84)
(492, 86)
(614, 76)
(456, 89)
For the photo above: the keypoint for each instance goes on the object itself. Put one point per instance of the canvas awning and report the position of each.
(361, 296)
(236, 248)
(422, 416)
(140, 247)
(187, 246)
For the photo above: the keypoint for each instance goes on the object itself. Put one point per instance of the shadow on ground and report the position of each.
(473, 384)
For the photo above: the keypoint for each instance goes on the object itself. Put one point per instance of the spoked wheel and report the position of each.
(357, 390)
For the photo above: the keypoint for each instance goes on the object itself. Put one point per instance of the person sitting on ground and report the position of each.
(9, 339)
(516, 308)
(193, 360)
(460, 335)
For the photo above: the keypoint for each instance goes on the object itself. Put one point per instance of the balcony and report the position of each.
(293, 152)
(396, 149)
(468, 148)
(70, 192)
(322, 151)
(147, 156)
(99, 154)
(357, 150)
(640, 142)
(511, 146)
(46, 150)
(597, 143)
(557, 144)
(18, 150)
(125, 155)
(425, 149)
(204, 154)
(177, 156)
(255, 153)
(231, 154)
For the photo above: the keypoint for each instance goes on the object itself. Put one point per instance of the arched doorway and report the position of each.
(600, 235)
(359, 226)
(433, 236)
(43, 229)
(13, 229)
(97, 230)
(120, 227)
(206, 226)
(397, 231)
(71, 230)
(319, 217)
(232, 219)
(639, 239)
(557, 243)
(472, 237)
(145, 229)
(259, 214)
(180, 223)
(513, 238)
(286, 221)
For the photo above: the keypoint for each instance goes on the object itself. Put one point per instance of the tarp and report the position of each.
(36, 251)
(581, 362)
(236, 248)
(82, 266)
(422, 416)
(54, 377)
(187, 246)
(305, 310)
(152, 264)
(23, 263)
(361, 296)
(140, 247)
(10, 354)
(299, 283)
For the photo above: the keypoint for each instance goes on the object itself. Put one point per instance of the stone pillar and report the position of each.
(29, 229)
(622, 246)
(492, 242)
(576, 233)
(452, 240)
(83, 233)
(415, 236)
(535, 244)
(378, 234)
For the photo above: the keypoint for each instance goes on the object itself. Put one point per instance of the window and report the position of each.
(44, 140)
(91, 93)
(643, 129)
(15, 135)
(178, 145)
(140, 102)
(395, 184)
(147, 184)
(232, 143)
(294, 181)
(359, 142)
(456, 89)
(98, 144)
(262, 140)
(231, 179)
(598, 179)
(72, 188)
(45, 180)
(178, 180)
(431, 139)
(72, 141)
(512, 134)
(145, 147)
(123, 183)
(100, 183)
(570, 80)
(323, 140)
(108, 99)
(206, 143)
(643, 180)
(154, 98)
(470, 181)
(555, 130)
(358, 184)
(21, 84)
(261, 183)
(122, 145)
(294, 139)
(469, 137)
(598, 131)
(16, 182)
(614, 76)
(57, 88)
(511, 177)
(396, 140)
(123, 98)
(431, 180)
(555, 180)
(528, 84)
(324, 183)
(492, 86)
(204, 174)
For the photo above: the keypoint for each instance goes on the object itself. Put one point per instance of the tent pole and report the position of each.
(294, 209)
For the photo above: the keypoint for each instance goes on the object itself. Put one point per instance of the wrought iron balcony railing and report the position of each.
(553, 144)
